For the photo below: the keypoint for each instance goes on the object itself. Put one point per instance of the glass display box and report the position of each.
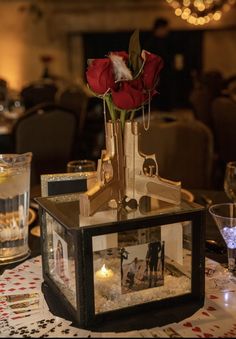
(121, 262)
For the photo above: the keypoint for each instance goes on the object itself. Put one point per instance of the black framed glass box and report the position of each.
(118, 262)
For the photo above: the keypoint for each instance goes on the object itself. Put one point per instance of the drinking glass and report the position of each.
(14, 206)
(81, 166)
(230, 181)
(225, 218)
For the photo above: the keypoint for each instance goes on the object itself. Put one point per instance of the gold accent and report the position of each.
(144, 180)
(124, 171)
(110, 173)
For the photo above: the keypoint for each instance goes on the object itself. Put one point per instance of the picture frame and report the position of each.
(67, 183)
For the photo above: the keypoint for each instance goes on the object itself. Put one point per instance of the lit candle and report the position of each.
(104, 273)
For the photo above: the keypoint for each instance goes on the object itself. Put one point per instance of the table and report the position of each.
(216, 319)
(220, 305)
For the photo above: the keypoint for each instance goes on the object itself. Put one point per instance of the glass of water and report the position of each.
(230, 180)
(14, 206)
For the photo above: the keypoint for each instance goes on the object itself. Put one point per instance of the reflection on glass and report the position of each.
(142, 265)
(60, 259)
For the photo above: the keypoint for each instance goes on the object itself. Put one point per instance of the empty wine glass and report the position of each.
(81, 166)
(225, 218)
(230, 181)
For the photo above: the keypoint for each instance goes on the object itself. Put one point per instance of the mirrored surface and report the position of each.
(66, 207)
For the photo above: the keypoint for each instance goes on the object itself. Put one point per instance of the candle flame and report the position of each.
(104, 269)
(104, 273)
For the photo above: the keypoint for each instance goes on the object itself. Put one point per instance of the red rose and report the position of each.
(129, 96)
(100, 75)
(137, 84)
(152, 67)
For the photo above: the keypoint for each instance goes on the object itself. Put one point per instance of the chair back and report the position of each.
(48, 131)
(206, 88)
(201, 100)
(76, 100)
(183, 149)
(224, 122)
(38, 93)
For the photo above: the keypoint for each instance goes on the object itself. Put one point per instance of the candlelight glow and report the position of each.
(104, 270)
(104, 273)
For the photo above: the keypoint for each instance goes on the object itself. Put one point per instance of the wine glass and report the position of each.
(225, 218)
(230, 181)
(81, 166)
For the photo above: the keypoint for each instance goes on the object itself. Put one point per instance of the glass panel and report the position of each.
(60, 254)
(139, 266)
(67, 208)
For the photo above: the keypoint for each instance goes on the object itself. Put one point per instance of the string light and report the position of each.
(200, 12)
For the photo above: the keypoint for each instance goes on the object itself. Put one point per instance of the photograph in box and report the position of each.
(139, 266)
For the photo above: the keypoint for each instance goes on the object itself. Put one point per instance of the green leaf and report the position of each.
(135, 52)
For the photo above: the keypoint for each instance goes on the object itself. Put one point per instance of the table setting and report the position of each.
(24, 311)
(122, 249)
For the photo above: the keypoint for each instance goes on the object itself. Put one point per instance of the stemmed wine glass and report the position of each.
(225, 215)
(225, 218)
(230, 180)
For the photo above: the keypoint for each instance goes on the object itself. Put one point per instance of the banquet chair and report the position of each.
(183, 149)
(76, 100)
(207, 87)
(38, 93)
(224, 120)
(200, 99)
(48, 131)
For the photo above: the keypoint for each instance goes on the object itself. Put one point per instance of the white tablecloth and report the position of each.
(216, 319)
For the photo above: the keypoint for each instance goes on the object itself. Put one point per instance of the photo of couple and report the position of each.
(142, 266)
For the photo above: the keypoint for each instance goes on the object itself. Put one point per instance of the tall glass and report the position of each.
(225, 218)
(14, 206)
(230, 181)
(81, 166)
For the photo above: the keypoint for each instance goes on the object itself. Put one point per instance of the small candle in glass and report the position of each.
(104, 273)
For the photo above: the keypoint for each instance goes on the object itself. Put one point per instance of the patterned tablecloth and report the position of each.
(24, 312)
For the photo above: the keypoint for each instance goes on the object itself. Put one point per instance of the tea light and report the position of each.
(104, 273)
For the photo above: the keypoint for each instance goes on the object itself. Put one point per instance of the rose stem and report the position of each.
(132, 115)
(110, 108)
(122, 117)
